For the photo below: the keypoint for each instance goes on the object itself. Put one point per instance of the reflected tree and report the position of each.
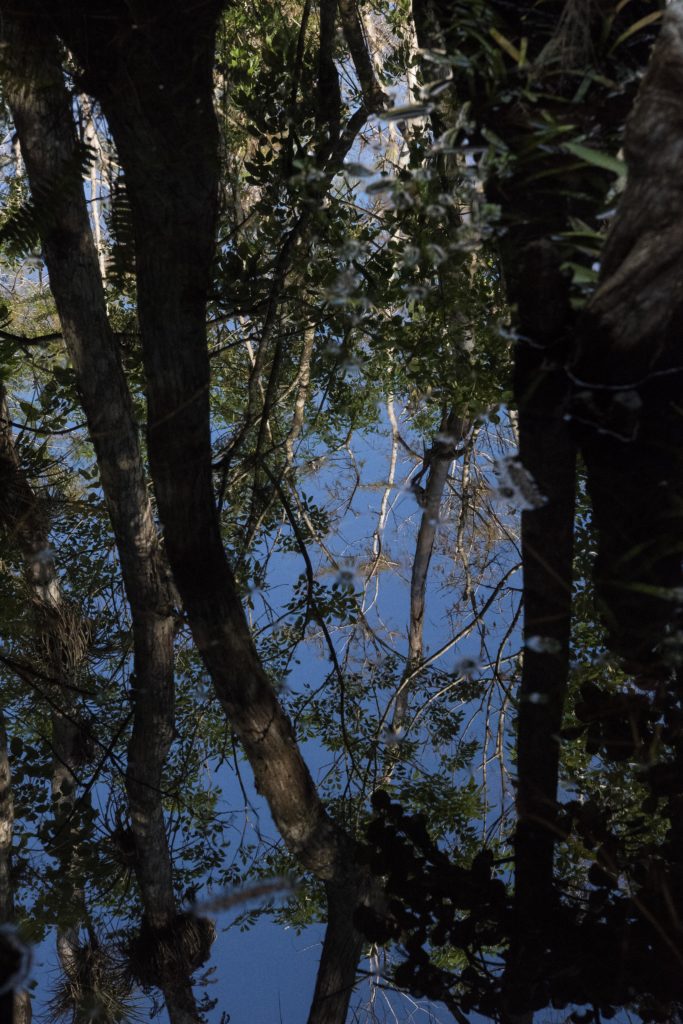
(276, 240)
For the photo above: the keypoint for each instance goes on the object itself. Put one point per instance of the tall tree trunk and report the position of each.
(632, 444)
(302, 384)
(353, 28)
(342, 949)
(547, 452)
(153, 78)
(173, 200)
(41, 108)
(629, 369)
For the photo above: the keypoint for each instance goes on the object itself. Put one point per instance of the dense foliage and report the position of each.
(340, 501)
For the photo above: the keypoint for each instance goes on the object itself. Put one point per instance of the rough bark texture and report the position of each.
(41, 109)
(342, 949)
(629, 372)
(631, 367)
(640, 296)
(303, 380)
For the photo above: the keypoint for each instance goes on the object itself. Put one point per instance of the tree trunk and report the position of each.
(342, 949)
(629, 370)
(547, 452)
(632, 443)
(374, 97)
(41, 109)
(153, 79)
(155, 87)
(436, 463)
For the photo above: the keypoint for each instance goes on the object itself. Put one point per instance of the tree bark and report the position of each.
(155, 88)
(436, 463)
(630, 363)
(342, 949)
(374, 97)
(629, 369)
(153, 79)
(302, 384)
(41, 109)
(547, 452)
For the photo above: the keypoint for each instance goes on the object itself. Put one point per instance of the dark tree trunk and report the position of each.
(374, 97)
(154, 82)
(630, 375)
(547, 452)
(630, 369)
(153, 78)
(41, 108)
(341, 952)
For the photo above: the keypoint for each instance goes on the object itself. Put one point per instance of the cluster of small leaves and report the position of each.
(597, 948)
(544, 90)
(432, 901)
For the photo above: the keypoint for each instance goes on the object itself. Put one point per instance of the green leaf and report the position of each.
(28, 410)
(407, 112)
(596, 157)
(510, 48)
(636, 27)
(581, 274)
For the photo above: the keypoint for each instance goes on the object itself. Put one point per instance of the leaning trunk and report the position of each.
(41, 109)
(155, 87)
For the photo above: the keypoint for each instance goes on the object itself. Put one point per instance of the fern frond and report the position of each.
(28, 220)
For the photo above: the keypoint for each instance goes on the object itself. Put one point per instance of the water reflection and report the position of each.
(495, 800)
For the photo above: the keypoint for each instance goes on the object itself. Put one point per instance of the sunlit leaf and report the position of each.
(505, 44)
(596, 157)
(649, 19)
(408, 112)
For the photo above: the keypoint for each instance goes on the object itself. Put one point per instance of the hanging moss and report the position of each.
(156, 954)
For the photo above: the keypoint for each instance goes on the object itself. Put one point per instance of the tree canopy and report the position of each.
(341, 503)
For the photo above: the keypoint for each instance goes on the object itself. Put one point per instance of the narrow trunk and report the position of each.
(436, 464)
(374, 97)
(547, 452)
(41, 110)
(329, 91)
(155, 86)
(303, 379)
(342, 949)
